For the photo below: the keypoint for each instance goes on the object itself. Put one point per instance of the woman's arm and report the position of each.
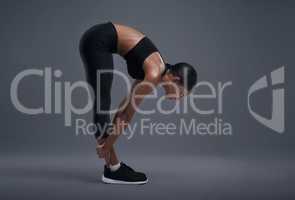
(128, 106)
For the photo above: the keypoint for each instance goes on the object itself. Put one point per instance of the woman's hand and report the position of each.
(103, 148)
(104, 145)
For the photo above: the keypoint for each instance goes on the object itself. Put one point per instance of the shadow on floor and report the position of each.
(55, 174)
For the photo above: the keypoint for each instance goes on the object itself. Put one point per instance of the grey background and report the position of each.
(237, 41)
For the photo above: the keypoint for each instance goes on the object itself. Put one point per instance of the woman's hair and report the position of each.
(187, 74)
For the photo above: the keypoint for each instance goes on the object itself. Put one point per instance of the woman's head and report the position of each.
(179, 79)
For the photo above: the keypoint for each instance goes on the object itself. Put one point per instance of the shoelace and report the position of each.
(128, 167)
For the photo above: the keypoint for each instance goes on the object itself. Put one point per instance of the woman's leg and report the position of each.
(113, 159)
(101, 83)
(95, 63)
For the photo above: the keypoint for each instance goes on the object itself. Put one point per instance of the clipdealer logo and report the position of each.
(277, 120)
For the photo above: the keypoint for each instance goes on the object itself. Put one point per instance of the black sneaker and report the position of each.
(124, 175)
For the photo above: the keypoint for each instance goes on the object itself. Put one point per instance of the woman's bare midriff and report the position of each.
(127, 38)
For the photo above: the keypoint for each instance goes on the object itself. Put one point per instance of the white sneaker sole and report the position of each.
(112, 181)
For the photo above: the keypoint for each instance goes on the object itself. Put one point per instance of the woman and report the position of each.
(146, 65)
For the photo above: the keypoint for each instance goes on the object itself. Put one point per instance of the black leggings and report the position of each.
(96, 48)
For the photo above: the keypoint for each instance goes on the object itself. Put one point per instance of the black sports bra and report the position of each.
(137, 55)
